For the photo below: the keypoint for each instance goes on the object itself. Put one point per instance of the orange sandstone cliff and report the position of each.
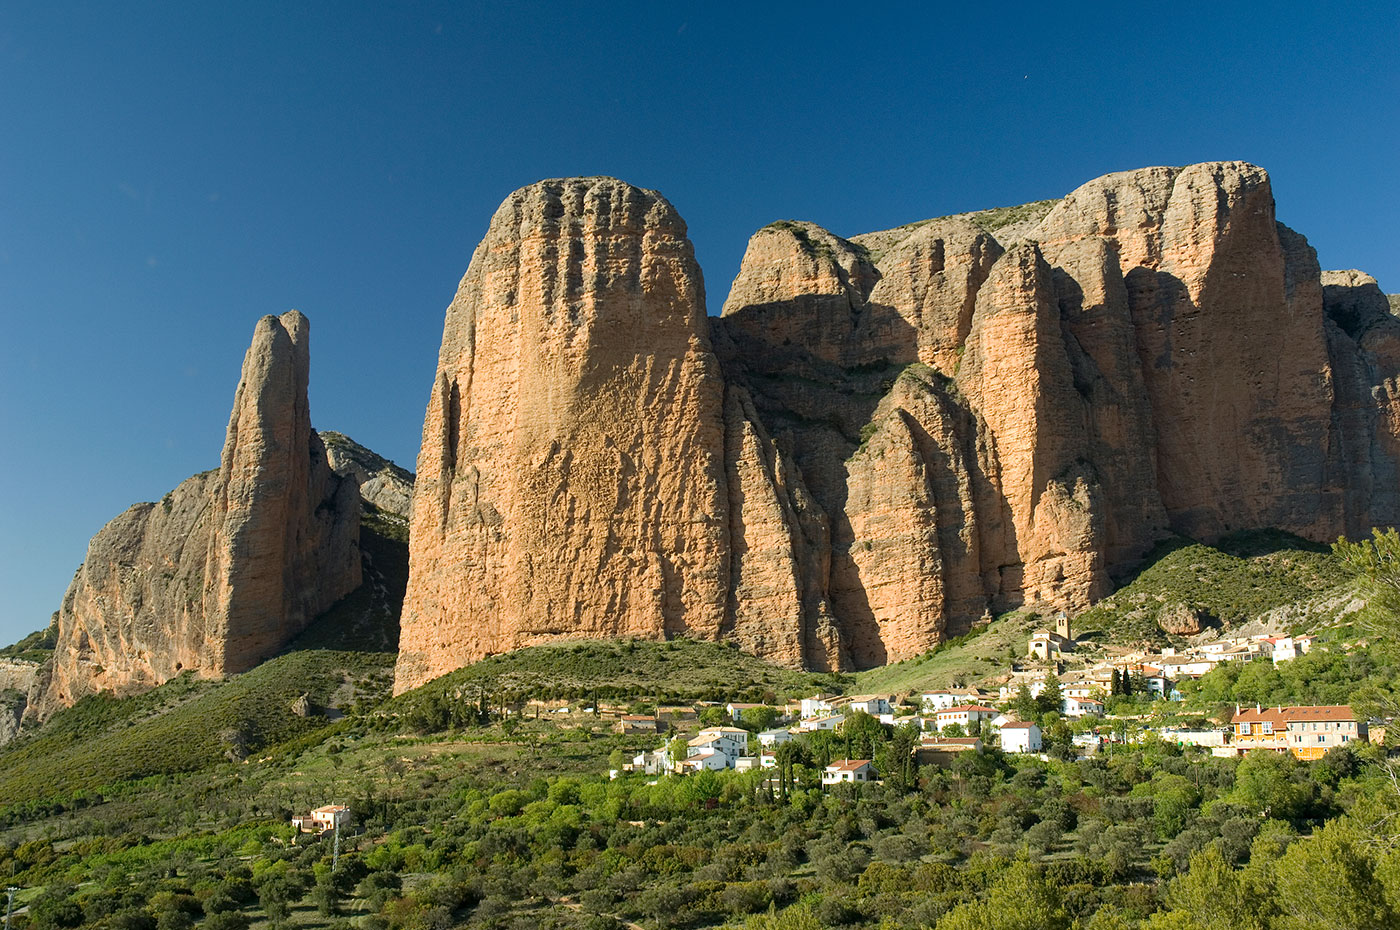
(882, 438)
(230, 565)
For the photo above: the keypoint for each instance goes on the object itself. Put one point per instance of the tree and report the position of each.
(758, 719)
(1209, 896)
(1265, 782)
(1376, 562)
(714, 717)
(863, 734)
(1051, 697)
(1024, 704)
(1021, 899)
(1330, 881)
(1115, 683)
(617, 759)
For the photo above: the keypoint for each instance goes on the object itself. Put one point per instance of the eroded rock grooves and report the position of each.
(882, 438)
(230, 565)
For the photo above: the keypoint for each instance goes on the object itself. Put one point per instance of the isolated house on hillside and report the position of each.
(330, 817)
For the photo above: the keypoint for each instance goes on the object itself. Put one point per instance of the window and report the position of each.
(1268, 728)
(1242, 729)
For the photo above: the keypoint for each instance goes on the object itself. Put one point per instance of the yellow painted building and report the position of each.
(1307, 732)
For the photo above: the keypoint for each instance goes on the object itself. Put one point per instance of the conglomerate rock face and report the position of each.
(571, 480)
(883, 438)
(230, 565)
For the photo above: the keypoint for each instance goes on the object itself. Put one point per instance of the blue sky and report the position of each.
(171, 172)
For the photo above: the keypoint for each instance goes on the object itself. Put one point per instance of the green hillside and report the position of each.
(186, 724)
(673, 671)
(1238, 579)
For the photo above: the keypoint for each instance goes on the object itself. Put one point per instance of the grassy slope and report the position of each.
(1240, 578)
(678, 670)
(190, 724)
(183, 726)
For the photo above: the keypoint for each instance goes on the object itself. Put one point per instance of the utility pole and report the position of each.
(335, 853)
(9, 904)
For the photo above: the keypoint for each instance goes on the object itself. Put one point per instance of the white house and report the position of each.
(872, 704)
(650, 763)
(729, 742)
(1079, 687)
(1081, 707)
(1020, 737)
(818, 705)
(830, 722)
(711, 759)
(934, 701)
(966, 715)
(848, 771)
(330, 817)
(771, 738)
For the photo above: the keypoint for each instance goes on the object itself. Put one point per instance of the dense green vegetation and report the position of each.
(1236, 580)
(170, 810)
(486, 829)
(36, 647)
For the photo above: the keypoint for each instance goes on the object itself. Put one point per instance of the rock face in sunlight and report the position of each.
(228, 567)
(571, 480)
(884, 438)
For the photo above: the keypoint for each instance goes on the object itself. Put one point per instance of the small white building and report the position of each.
(968, 716)
(771, 738)
(711, 759)
(933, 701)
(330, 817)
(1020, 737)
(818, 705)
(872, 704)
(649, 763)
(1081, 707)
(848, 771)
(829, 722)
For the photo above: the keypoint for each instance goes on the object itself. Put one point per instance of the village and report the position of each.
(954, 720)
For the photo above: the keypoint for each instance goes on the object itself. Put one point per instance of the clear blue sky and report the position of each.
(171, 172)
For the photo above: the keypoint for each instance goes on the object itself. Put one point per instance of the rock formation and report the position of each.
(571, 479)
(230, 565)
(382, 483)
(882, 438)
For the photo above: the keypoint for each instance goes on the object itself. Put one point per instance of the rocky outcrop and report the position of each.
(571, 480)
(18, 679)
(382, 483)
(1017, 376)
(1180, 619)
(882, 438)
(1363, 338)
(1240, 423)
(229, 566)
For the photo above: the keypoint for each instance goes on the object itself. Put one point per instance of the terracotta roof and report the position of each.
(847, 765)
(1284, 715)
(962, 708)
(1017, 726)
